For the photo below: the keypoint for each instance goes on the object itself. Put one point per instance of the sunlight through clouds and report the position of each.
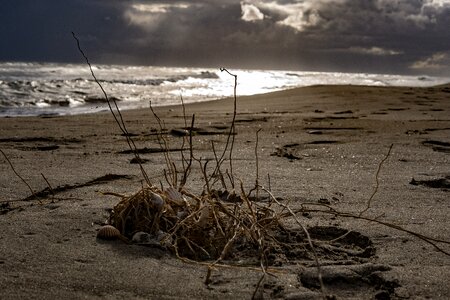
(157, 8)
(148, 15)
(250, 12)
(374, 51)
(438, 60)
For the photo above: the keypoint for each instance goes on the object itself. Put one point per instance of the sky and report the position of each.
(366, 36)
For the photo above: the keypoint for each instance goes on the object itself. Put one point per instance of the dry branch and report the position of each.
(377, 184)
(118, 118)
(33, 193)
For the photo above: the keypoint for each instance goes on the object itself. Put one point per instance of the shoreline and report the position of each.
(319, 143)
(99, 101)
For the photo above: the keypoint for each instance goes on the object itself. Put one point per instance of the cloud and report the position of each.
(388, 36)
(250, 12)
(343, 15)
(374, 51)
(299, 15)
(149, 15)
(436, 61)
(156, 8)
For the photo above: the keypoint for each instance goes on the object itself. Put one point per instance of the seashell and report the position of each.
(157, 200)
(163, 238)
(108, 232)
(146, 239)
(175, 196)
(141, 237)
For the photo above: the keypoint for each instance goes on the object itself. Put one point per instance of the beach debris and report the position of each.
(285, 152)
(315, 132)
(440, 183)
(141, 237)
(187, 131)
(154, 240)
(5, 207)
(108, 232)
(438, 146)
(202, 227)
(343, 112)
(324, 201)
(138, 160)
(179, 132)
(226, 226)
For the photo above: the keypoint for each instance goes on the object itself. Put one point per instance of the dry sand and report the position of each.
(319, 144)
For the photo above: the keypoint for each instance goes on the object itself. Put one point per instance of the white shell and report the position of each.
(175, 196)
(157, 200)
(146, 239)
(108, 232)
(141, 237)
(161, 238)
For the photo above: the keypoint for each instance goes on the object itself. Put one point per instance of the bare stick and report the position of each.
(183, 158)
(230, 134)
(427, 239)
(257, 168)
(257, 165)
(122, 128)
(376, 181)
(120, 123)
(17, 174)
(165, 147)
(219, 172)
(48, 184)
(263, 275)
(316, 258)
(191, 156)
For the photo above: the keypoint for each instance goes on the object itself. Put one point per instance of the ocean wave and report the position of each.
(62, 89)
(76, 92)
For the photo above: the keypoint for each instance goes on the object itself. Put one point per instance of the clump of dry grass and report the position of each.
(203, 226)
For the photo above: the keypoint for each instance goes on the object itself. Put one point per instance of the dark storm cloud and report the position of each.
(380, 35)
(40, 30)
(396, 36)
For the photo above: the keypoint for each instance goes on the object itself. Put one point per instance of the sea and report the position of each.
(40, 89)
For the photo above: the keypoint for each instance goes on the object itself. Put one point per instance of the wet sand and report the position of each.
(319, 144)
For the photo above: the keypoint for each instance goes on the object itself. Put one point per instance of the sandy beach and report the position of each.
(320, 144)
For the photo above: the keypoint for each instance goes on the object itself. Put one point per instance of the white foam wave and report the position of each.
(46, 88)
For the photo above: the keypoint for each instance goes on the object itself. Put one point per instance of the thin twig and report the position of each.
(165, 146)
(121, 122)
(48, 184)
(257, 168)
(220, 175)
(430, 240)
(313, 249)
(231, 133)
(258, 284)
(257, 164)
(187, 169)
(376, 181)
(17, 174)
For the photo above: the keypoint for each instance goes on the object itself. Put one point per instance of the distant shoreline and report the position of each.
(445, 87)
(51, 89)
